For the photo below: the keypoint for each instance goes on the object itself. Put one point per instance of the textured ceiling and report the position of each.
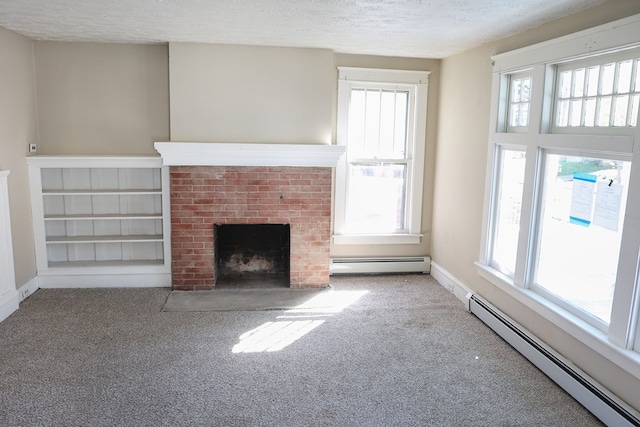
(414, 28)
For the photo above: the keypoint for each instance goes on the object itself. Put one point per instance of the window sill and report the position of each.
(377, 239)
(587, 334)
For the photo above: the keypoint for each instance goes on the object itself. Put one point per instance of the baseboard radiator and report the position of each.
(584, 389)
(380, 265)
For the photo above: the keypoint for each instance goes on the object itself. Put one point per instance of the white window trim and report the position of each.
(420, 80)
(617, 345)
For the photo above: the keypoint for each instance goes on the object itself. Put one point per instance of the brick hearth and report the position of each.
(202, 196)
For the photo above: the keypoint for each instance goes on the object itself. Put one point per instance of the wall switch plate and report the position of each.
(33, 148)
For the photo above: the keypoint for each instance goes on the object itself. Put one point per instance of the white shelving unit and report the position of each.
(101, 221)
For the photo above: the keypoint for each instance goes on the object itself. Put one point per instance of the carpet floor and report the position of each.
(378, 351)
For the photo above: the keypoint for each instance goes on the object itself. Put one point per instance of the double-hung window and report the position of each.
(562, 218)
(382, 123)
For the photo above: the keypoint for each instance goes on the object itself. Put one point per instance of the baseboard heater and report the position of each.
(380, 265)
(601, 403)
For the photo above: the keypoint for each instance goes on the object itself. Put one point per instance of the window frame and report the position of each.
(620, 342)
(511, 77)
(417, 82)
(590, 61)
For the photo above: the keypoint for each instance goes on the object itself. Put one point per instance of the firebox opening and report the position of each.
(251, 255)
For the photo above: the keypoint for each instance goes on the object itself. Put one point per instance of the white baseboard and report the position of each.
(159, 280)
(9, 303)
(449, 282)
(26, 290)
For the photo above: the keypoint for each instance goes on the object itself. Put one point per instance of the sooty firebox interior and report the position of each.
(251, 255)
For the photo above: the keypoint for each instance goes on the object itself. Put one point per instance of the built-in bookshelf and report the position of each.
(104, 220)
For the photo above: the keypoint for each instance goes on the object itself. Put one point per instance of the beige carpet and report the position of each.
(247, 299)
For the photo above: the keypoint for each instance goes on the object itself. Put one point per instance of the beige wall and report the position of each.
(17, 130)
(223, 93)
(461, 155)
(101, 98)
(432, 65)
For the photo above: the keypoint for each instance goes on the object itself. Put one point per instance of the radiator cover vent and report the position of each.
(578, 384)
(381, 265)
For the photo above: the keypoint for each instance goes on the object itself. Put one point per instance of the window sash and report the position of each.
(415, 85)
(598, 95)
(518, 101)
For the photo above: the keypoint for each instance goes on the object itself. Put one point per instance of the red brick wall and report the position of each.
(205, 195)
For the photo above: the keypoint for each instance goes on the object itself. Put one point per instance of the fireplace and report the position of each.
(251, 255)
(215, 185)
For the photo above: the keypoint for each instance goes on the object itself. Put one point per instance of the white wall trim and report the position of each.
(28, 289)
(105, 281)
(450, 283)
(8, 293)
(232, 154)
(613, 36)
(95, 161)
(9, 303)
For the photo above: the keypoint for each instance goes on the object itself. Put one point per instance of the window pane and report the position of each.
(387, 122)
(507, 216)
(523, 116)
(376, 198)
(634, 110)
(372, 123)
(608, 72)
(624, 77)
(400, 137)
(356, 121)
(578, 83)
(576, 112)
(592, 82)
(604, 112)
(525, 92)
(563, 113)
(565, 84)
(590, 112)
(515, 90)
(514, 114)
(580, 231)
(620, 118)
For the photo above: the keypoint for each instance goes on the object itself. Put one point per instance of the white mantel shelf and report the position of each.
(232, 154)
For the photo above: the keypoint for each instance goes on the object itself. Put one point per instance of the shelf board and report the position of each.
(76, 217)
(110, 263)
(105, 239)
(89, 192)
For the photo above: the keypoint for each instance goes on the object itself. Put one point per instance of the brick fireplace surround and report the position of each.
(269, 189)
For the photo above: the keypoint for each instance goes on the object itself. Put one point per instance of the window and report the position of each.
(382, 122)
(508, 208)
(562, 226)
(600, 92)
(519, 101)
(582, 208)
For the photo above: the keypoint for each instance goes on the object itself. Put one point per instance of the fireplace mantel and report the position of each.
(232, 154)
